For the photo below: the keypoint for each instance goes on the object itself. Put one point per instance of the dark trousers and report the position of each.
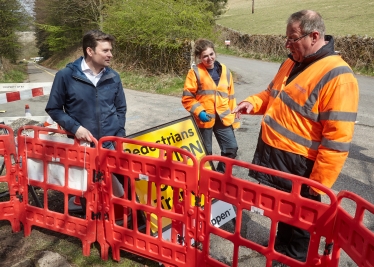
(226, 140)
(293, 241)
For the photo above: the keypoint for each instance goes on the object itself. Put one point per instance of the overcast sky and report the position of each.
(28, 4)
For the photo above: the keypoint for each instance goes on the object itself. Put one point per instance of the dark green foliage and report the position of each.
(13, 18)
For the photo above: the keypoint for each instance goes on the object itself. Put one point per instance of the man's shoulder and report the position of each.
(110, 70)
(68, 69)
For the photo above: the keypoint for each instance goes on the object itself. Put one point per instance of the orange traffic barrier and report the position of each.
(165, 205)
(315, 217)
(10, 198)
(352, 234)
(60, 166)
(173, 247)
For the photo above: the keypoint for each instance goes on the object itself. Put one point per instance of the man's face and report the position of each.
(299, 48)
(208, 57)
(102, 54)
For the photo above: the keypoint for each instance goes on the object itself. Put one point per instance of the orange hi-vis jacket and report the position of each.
(313, 115)
(201, 93)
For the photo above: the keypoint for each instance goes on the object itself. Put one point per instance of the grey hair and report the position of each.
(309, 21)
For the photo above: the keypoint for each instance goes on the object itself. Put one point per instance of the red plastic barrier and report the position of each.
(351, 234)
(10, 208)
(291, 208)
(53, 164)
(161, 171)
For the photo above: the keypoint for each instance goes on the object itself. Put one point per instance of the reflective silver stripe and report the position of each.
(195, 69)
(213, 116)
(222, 94)
(188, 93)
(194, 107)
(225, 113)
(236, 120)
(305, 110)
(339, 146)
(205, 92)
(312, 99)
(296, 107)
(231, 97)
(274, 93)
(270, 86)
(228, 76)
(338, 116)
(290, 135)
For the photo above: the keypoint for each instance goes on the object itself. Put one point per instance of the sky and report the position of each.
(28, 4)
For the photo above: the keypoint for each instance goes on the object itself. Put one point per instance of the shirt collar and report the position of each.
(86, 69)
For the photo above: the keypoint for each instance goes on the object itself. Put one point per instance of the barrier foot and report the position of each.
(26, 229)
(16, 226)
(116, 253)
(104, 248)
(86, 248)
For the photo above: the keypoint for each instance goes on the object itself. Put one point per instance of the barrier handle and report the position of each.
(297, 181)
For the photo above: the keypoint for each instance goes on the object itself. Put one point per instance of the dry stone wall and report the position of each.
(358, 51)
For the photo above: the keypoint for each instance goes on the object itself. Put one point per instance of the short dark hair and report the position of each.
(90, 39)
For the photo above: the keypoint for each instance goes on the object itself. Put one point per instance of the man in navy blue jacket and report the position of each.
(87, 97)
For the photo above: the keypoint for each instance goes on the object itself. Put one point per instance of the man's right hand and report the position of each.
(243, 108)
(83, 134)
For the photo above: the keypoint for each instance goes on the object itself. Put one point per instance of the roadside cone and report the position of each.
(27, 111)
(48, 122)
(75, 205)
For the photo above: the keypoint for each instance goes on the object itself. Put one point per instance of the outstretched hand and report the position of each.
(243, 108)
(83, 134)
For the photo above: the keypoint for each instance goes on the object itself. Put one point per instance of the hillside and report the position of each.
(342, 17)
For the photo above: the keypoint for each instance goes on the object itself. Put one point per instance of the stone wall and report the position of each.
(358, 51)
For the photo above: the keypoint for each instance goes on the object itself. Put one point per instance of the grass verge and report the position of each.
(165, 84)
(14, 74)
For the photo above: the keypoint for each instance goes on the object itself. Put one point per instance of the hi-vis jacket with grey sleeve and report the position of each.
(313, 115)
(201, 93)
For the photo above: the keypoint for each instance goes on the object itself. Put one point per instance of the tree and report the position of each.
(61, 23)
(159, 22)
(13, 18)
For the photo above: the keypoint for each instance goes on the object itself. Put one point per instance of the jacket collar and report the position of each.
(326, 50)
(77, 71)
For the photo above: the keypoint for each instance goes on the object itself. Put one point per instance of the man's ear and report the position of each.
(315, 36)
(90, 51)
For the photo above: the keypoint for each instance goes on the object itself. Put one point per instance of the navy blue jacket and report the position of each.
(75, 101)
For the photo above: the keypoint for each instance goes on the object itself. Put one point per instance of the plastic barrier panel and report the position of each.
(125, 231)
(351, 234)
(9, 190)
(291, 208)
(53, 169)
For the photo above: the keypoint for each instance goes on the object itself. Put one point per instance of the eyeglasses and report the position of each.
(296, 39)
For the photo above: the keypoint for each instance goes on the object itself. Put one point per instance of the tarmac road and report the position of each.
(148, 110)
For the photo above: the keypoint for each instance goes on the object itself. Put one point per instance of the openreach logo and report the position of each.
(221, 218)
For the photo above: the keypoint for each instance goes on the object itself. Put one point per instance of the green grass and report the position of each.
(15, 74)
(342, 17)
(162, 84)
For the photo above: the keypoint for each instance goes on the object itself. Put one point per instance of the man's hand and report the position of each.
(83, 134)
(243, 108)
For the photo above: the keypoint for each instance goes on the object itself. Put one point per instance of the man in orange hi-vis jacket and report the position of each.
(209, 96)
(309, 112)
